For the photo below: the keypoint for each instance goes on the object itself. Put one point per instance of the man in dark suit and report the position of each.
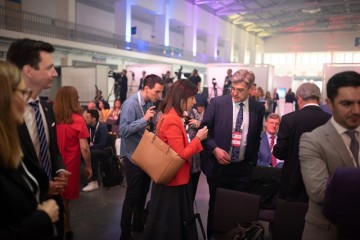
(267, 142)
(235, 122)
(292, 126)
(341, 202)
(98, 146)
(34, 60)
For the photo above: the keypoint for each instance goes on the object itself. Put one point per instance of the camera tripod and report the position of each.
(214, 90)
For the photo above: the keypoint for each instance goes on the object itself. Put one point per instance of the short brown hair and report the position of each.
(243, 75)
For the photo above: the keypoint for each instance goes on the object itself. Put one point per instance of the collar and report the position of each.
(141, 98)
(340, 129)
(32, 100)
(269, 135)
(311, 104)
(246, 102)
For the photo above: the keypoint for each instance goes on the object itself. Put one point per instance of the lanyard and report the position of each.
(96, 128)
(35, 191)
(139, 99)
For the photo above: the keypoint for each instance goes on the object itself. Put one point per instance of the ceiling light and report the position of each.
(311, 10)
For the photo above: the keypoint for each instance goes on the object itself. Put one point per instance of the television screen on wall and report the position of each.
(281, 92)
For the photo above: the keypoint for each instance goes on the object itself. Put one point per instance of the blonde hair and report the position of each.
(10, 149)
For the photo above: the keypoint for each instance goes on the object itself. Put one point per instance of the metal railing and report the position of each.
(35, 24)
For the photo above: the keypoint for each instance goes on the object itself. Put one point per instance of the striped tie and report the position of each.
(273, 158)
(44, 149)
(236, 150)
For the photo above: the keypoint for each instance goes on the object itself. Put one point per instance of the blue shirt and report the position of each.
(132, 124)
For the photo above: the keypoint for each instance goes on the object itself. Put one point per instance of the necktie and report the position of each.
(44, 154)
(236, 150)
(273, 158)
(354, 146)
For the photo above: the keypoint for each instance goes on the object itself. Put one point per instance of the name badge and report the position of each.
(236, 139)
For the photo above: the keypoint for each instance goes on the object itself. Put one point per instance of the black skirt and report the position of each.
(171, 214)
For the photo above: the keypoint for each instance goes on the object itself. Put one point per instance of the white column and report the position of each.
(123, 19)
(190, 32)
(162, 27)
(242, 46)
(211, 45)
(66, 10)
(229, 45)
(212, 39)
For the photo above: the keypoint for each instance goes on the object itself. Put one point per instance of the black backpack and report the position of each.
(111, 172)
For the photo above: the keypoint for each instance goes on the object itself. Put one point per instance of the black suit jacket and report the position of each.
(19, 218)
(292, 126)
(56, 159)
(218, 117)
(341, 203)
(28, 147)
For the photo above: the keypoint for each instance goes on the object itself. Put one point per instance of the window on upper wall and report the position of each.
(356, 58)
(324, 57)
(344, 57)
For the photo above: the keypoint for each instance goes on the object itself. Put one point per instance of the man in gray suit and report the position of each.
(328, 147)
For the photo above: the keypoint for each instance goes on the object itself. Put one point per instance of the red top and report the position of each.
(173, 133)
(68, 136)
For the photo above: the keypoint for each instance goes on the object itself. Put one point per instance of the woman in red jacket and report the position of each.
(171, 204)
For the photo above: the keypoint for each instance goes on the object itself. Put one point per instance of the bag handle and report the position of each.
(157, 129)
(156, 133)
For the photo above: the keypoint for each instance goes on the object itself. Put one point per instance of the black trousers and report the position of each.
(194, 180)
(97, 155)
(235, 176)
(138, 185)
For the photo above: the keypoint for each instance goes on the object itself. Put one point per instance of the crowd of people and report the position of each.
(43, 145)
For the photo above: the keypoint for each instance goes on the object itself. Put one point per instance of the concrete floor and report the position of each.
(96, 215)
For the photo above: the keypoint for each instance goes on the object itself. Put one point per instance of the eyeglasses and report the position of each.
(238, 90)
(25, 92)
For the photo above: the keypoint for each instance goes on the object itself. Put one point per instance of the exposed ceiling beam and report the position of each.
(235, 8)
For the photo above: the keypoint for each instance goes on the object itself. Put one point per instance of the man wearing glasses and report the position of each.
(235, 122)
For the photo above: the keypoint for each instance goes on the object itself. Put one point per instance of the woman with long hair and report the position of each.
(104, 108)
(171, 204)
(72, 135)
(24, 211)
(114, 112)
(268, 104)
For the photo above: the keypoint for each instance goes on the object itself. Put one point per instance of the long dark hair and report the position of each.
(180, 90)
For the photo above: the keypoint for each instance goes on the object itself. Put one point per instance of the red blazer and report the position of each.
(173, 133)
